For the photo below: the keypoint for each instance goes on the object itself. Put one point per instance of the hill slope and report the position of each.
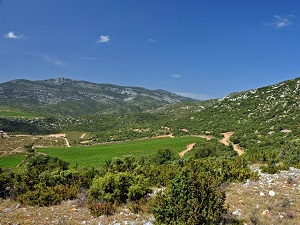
(69, 97)
(263, 119)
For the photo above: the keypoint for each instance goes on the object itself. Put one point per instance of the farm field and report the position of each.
(11, 161)
(7, 113)
(97, 155)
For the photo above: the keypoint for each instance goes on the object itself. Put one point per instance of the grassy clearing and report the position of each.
(11, 161)
(74, 137)
(8, 113)
(97, 155)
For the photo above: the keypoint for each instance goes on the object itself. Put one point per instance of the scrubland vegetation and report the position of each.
(114, 161)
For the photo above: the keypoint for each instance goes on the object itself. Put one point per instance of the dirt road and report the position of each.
(188, 148)
(227, 142)
(67, 142)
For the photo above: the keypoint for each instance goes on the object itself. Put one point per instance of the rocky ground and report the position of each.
(68, 213)
(272, 199)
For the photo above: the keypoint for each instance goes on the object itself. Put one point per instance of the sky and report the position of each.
(202, 49)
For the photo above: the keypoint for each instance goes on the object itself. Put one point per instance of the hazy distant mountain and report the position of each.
(69, 97)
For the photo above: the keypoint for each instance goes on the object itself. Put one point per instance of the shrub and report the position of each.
(42, 163)
(111, 187)
(118, 188)
(212, 148)
(6, 183)
(42, 195)
(137, 191)
(164, 155)
(189, 200)
(128, 164)
(290, 154)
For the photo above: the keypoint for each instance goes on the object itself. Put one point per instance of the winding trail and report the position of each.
(82, 136)
(188, 148)
(227, 142)
(67, 142)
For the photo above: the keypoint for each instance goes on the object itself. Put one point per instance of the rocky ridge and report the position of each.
(61, 93)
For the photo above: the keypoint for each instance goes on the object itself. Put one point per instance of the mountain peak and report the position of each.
(59, 80)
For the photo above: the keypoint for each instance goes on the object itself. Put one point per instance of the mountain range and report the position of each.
(72, 98)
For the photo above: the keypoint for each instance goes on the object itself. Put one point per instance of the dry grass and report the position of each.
(69, 213)
(15, 144)
(254, 204)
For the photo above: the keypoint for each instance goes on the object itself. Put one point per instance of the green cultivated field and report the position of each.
(7, 113)
(11, 161)
(98, 154)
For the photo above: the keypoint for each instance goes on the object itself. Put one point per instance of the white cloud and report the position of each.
(176, 76)
(195, 96)
(50, 59)
(281, 22)
(12, 35)
(88, 58)
(103, 39)
(151, 40)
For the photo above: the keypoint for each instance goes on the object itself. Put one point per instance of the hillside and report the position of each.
(264, 122)
(262, 119)
(64, 96)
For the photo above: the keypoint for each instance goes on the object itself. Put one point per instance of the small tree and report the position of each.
(190, 200)
(164, 155)
(290, 154)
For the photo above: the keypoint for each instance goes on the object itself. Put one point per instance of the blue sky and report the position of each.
(198, 48)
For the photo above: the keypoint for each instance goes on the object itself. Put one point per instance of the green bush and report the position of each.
(290, 154)
(42, 195)
(128, 164)
(189, 200)
(164, 155)
(111, 187)
(6, 183)
(212, 148)
(137, 191)
(118, 187)
(41, 163)
(160, 175)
